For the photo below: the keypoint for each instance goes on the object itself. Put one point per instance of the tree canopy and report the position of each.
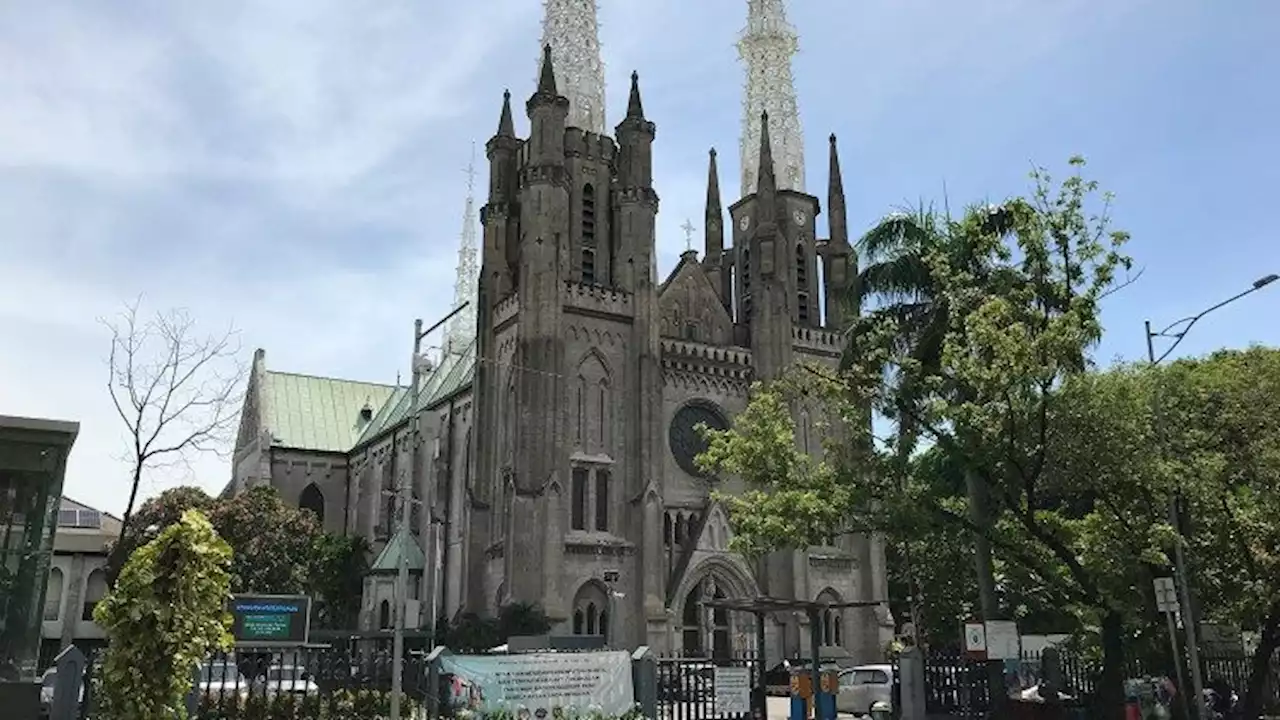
(1010, 297)
(276, 548)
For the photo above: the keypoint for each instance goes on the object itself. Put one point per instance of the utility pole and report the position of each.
(405, 497)
(404, 494)
(1177, 331)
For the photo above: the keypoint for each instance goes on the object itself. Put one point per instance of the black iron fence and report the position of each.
(350, 683)
(957, 686)
(686, 687)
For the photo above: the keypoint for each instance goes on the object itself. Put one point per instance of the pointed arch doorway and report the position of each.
(707, 629)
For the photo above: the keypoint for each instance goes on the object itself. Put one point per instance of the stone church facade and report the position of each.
(551, 460)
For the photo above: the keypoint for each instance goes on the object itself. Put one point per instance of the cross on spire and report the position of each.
(688, 229)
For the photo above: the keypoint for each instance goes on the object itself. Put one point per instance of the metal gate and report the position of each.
(687, 687)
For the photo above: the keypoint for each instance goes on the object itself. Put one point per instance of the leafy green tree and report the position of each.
(1021, 289)
(272, 540)
(335, 576)
(277, 548)
(166, 614)
(155, 515)
(1219, 420)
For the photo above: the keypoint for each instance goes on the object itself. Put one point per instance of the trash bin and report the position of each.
(881, 710)
(825, 701)
(801, 694)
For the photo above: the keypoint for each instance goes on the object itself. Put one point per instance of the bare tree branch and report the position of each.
(177, 392)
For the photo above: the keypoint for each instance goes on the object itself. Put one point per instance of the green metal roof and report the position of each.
(453, 375)
(400, 545)
(315, 413)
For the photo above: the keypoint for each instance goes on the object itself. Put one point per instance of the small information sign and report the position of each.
(262, 620)
(733, 691)
(975, 640)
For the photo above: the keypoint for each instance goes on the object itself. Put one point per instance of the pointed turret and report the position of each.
(547, 76)
(766, 183)
(714, 207)
(840, 262)
(635, 109)
(714, 213)
(548, 111)
(637, 202)
(713, 260)
(498, 214)
(506, 126)
(635, 142)
(838, 224)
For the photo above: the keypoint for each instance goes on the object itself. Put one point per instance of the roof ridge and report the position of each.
(393, 386)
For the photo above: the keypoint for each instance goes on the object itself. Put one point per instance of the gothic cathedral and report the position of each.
(551, 450)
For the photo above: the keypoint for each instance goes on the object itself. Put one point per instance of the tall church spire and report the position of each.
(570, 28)
(766, 47)
(462, 328)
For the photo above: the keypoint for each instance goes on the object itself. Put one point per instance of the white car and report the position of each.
(222, 679)
(864, 686)
(288, 679)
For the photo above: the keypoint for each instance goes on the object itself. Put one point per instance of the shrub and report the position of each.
(339, 705)
(165, 615)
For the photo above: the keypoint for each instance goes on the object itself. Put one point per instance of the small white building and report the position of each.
(77, 578)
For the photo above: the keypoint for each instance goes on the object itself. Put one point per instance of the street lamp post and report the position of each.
(404, 495)
(1177, 331)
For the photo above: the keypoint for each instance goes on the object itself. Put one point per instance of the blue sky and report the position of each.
(296, 166)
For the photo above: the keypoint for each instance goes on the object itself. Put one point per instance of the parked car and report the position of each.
(864, 686)
(222, 679)
(288, 679)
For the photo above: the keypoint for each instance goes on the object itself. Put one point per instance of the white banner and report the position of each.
(533, 685)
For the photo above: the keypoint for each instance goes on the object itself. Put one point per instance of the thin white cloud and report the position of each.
(272, 165)
(294, 165)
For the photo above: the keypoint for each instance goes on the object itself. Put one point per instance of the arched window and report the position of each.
(95, 588)
(831, 633)
(588, 267)
(668, 530)
(384, 615)
(578, 500)
(590, 610)
(746, 283)
(602, 499)
(53, 595)
(312, 499)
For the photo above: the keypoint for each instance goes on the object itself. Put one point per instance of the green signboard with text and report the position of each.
(271, 619)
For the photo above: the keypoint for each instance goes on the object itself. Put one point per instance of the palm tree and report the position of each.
(899, 275)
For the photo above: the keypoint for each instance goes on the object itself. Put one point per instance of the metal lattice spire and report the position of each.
(766, 47)
(462, 328)
(570, 28)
